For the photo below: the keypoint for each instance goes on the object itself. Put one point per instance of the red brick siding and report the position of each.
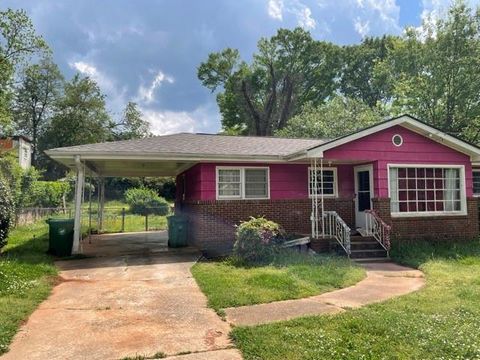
(212, 222)
(434, 228)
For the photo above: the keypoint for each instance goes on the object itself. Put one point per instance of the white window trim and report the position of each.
(463, 194)
(475, 171)
(335, 182)
(242, 182)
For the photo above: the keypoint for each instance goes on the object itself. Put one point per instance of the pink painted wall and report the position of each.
(287, 181)
(290, 181)
(379, 150)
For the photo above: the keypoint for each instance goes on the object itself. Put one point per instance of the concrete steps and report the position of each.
(363, 249)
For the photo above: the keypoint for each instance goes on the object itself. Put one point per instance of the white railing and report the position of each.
(378, 228)
(334, 226)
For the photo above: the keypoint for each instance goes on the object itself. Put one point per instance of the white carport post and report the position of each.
(77, 228)
(101, 204)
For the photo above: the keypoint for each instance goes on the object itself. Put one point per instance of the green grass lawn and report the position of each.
(112, 218)
(26, 277)
(293, 275)
(441, 321)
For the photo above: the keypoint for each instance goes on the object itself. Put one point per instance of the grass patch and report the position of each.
(112, 218)
(26, 277)
(441, 321)
(292, 275)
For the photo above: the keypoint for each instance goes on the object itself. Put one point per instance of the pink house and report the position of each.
(400, 180)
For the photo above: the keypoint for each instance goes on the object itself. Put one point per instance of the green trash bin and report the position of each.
(177, 231)
(60, 236)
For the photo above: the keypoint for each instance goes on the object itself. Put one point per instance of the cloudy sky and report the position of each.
(148, 51)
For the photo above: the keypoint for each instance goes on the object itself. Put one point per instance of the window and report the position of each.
(426, 189)
(242, 183)
(329, 182)
(476, 182)
(397, 140)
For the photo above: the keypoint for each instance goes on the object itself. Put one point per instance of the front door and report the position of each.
(363, 193)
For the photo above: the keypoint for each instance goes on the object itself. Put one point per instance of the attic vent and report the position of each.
(397, 140)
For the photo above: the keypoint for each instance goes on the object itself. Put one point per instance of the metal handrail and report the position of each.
(335, 227)
(378, 228)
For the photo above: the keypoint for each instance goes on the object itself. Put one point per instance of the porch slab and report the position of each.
(384, 281)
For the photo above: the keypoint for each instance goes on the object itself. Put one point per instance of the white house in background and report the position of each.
(23, 147)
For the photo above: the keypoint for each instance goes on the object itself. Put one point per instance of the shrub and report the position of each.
(257, 240)
(49, 193)
(144, 201)
(6, 212)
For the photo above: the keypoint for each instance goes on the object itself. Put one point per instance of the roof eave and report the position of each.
(59, 155)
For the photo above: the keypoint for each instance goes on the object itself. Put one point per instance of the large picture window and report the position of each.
(242, 183)
(326, 184)
(418, 190)
(476, 182)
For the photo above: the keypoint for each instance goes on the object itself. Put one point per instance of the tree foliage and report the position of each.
(132, 125)
(435, 73)
(336, 117)
(18, 40)
(289, 69)
(36, 96)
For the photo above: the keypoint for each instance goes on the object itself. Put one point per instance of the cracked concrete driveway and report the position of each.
(125, 305)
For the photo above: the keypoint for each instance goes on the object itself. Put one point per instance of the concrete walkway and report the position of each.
(383, 281)
(112, 307)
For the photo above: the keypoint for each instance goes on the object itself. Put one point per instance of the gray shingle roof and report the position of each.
(199, 144)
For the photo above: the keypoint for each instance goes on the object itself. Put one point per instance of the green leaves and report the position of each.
(287, 70)
(336, 117)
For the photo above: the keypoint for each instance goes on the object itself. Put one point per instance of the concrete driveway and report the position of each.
(123, 305)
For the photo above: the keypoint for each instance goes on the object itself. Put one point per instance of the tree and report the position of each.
(18, 40)
(35, 98)
(132, 125)
(436, 74)
(362, 77)
(337, 117)
(80, 118)
(288, 70)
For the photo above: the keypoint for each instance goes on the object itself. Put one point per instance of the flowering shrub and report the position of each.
(257, 240)
(6, 212)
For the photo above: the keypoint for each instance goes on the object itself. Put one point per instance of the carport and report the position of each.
(95, 162)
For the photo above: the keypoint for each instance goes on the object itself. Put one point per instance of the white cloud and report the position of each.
(362, 28)
(165, 122)
(275, 9)
(305, 19)
(146, 94)
(301, 13)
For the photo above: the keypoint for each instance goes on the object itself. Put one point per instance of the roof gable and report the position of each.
(408, 122)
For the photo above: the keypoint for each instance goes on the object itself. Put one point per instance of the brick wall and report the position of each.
(212, 222)
(435, 228)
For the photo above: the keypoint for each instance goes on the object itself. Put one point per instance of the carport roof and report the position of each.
(194, 144)
(169, 155)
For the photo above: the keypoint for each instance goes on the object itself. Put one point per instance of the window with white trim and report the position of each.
(327, 185)
(476, 182)
(242, 183)
(426, 189)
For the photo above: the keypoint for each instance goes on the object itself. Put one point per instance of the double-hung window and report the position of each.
(476, 182)
(325, 184)
(426, 190)
(242, 183)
